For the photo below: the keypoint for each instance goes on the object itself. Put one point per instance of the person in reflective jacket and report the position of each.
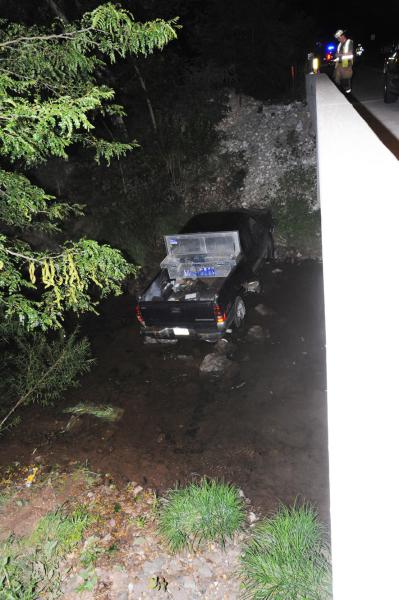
(344, 56)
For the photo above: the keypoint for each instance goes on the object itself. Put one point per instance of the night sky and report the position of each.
(256, 41)
(360, 20)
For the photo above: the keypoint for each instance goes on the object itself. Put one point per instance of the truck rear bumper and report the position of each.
(181, 333)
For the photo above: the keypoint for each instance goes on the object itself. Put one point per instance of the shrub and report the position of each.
(287, 558)
(204, 511)
(37, 369)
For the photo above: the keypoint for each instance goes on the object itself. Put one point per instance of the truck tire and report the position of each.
(239, 311)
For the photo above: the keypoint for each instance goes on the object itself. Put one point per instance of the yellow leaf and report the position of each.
(32, 272)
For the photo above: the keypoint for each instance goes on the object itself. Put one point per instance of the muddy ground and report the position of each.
(263, 429)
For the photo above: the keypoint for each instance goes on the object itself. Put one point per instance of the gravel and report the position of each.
(274, 138)
(260, 144)
(140, 573)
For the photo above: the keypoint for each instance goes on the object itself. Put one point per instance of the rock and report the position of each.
(187, 582)
(138, 541)
(252, 518)
(225, 347)
(204, 571)
(264, 311)
(252, 286)
(119, 581)
(222, 346)
(137, 490)
(174, 565)
(178, 593)
(138, 590)
(148, 341)
(215, 364)
(153, 566)
(256, 333)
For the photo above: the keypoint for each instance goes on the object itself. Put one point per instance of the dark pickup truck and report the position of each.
(210, 266)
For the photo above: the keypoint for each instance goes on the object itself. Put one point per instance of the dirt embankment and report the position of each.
(266, 159)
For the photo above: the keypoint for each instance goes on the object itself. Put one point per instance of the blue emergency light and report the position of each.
(330, 47)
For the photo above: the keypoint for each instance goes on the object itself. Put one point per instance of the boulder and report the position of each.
(216, 365)
(256, 333)
(225, 347)
(264, 311)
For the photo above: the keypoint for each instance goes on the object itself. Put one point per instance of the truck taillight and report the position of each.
(219, 313)
(139, 315)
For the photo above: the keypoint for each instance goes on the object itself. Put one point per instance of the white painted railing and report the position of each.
(358, 186)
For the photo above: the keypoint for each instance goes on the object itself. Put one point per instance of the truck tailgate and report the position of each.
(178, 314)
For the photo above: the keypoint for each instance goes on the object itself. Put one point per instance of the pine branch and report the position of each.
(38, 370)
(53, 36)
(23, 399)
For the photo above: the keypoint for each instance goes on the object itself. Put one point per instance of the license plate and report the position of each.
(180, 331)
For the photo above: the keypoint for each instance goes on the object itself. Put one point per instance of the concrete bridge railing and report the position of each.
(358, 187)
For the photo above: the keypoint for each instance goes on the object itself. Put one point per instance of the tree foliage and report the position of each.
(51, 92)
(38, 369)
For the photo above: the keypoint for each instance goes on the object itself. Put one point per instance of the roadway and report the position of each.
(368, 99)
(367, 92)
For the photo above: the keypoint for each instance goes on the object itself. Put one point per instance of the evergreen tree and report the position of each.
(50, 95)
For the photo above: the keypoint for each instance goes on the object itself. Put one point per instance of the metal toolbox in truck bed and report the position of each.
(199, 255)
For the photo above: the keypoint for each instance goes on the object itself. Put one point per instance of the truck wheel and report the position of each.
(239, 311)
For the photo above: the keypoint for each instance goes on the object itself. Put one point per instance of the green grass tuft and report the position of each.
(62, 529)
(101, 411)
(287, 558)
(29, 567)
(204, 511)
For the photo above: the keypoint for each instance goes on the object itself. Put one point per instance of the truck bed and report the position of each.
(162, 289)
